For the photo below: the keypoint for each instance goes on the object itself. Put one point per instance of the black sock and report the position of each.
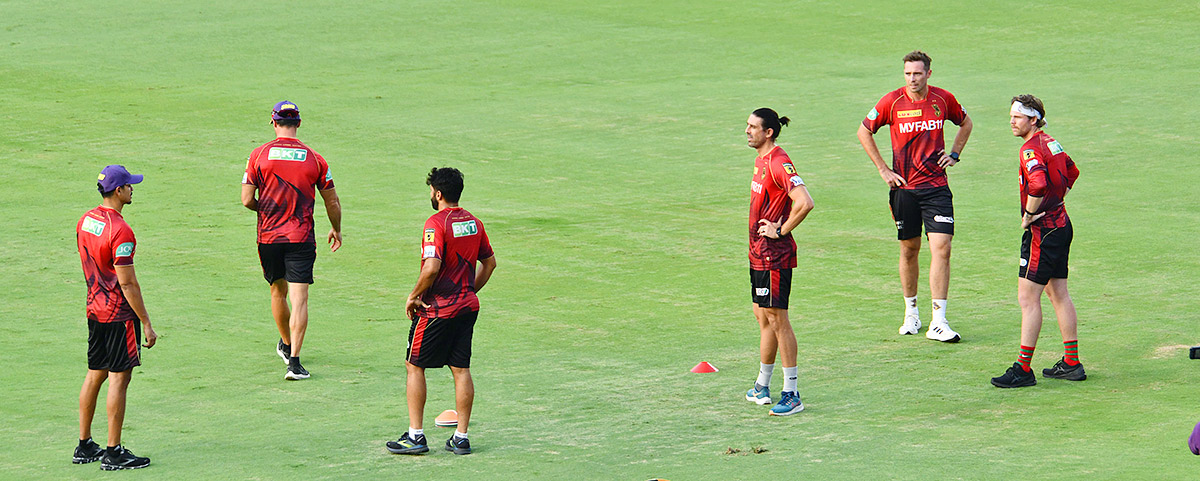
(294, 361)
(83, 442)
(113, 449)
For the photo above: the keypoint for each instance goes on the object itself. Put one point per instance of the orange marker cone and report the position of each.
(447, 419)
(704, 367)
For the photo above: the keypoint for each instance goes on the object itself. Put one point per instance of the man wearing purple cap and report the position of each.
(1194, 440)
(114, 306)
(285, 173)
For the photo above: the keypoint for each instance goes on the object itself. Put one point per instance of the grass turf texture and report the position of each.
(602, 147)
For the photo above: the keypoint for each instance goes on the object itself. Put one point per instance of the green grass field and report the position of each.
(603, 148)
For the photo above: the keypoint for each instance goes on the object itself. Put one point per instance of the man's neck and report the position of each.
(112, 203)
(1033, 132)
(443, 205)
(766, 148)
(285, 133)
(919, 95)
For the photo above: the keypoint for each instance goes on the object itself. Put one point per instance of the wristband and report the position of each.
(1027, 212)
(954, 155)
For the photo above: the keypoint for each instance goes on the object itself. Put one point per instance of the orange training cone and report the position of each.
(447, 419)
(704, 367)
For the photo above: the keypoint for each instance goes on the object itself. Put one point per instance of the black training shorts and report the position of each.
(114, 346)
(439, 342)
(911, 208)
(1044, 253)
(771, 288)
(290, 261)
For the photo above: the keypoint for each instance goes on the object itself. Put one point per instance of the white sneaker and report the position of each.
(940, 331)
(911, 325)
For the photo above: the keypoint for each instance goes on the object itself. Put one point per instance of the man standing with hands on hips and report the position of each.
(919, 193)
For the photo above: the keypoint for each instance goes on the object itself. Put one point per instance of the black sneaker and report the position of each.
(284, 351)
(1015, 376)
(1062, 370)
(406, 445)
(458, 445)
(88, 452)
(121, 458)
(295, 372)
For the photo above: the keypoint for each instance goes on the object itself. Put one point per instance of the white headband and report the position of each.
(1020, 108)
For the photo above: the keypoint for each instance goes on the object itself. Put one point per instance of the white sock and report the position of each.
(939, 311)
(460, 435)
(764, 374)
(910, 306)
(789, 378)
(413, 433)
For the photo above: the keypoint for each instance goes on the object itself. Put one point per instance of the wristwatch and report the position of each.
(779, 232)
(954, 155)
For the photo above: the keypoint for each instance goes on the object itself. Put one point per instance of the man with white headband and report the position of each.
(920, 193)
(1047, 174)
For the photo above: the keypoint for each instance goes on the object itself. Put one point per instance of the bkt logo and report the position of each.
(761, 291)
(756, 187)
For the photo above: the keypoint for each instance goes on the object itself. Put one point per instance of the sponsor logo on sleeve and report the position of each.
(1028, 154)
(943, 219)
(788, 169)
(908, 114)
(1031, 164)
(429, 252)
(873, 114)
(245, 178)
(1055, 147)
(797, 181)
(328, 175)
(124, 250)
(466, 228)
(283, 153)
(429, 235)
(93, 226)
(762, 291)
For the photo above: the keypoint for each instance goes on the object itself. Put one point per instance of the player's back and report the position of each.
(287, 174)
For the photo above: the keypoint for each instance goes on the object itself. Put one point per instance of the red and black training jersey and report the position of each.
(1046, 171)
(105, 241)
(916, 127)
(286, 172)
(458, 239)
(774, 177)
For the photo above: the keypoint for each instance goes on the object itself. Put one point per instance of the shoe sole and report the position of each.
(413, 450)
(109, 467)
(956, 338)
(759, 401)
(789, 413)
(295, 377)
(1069, 377)
(77, 460)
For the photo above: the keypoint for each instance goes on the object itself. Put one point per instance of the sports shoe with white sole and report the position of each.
(758, 396)
(120, 458)
(284, 351)
(789, 403)
(940, 331)
(296, 372)
(911, 325)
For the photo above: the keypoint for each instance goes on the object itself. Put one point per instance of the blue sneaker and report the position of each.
(789, 403)
(759, 396)
(407, 445)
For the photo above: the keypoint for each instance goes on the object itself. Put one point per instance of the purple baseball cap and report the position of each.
(114, 176)
(1194, 441)
(285, 110)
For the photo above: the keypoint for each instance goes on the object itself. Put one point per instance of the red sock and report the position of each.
(1071, 352)
(1024, 357)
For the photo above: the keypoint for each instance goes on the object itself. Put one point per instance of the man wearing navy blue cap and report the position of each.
(114, 306)
(284, 173)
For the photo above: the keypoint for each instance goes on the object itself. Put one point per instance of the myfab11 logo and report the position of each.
(463, 229)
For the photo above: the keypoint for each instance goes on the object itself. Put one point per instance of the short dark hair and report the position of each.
(771, 120)
(1035, 104)
(448, 181)
(106, 194)
(918, 56)
(291, 118)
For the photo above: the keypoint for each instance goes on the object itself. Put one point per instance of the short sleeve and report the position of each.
(250, 175)
(124, 246)
(325, 177)
(954, 110)
(1034, 165)
(879, 115)
(785, 176)
(485, 245)
(431, 240)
